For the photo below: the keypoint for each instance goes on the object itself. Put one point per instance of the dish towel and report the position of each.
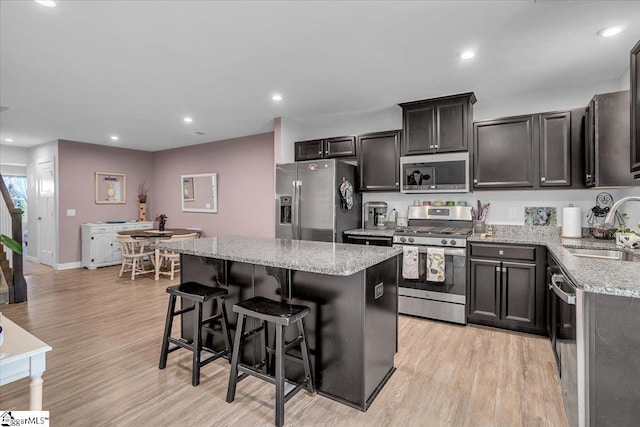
(435, 265)
(346, 194)
(410, 262)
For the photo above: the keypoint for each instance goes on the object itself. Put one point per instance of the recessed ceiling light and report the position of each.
(187, 119)
(8, 139)
(47, 3)
(115, 138)
(467, 54)
(277, 97)
(610, 31)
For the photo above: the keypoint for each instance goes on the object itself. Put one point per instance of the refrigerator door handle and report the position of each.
(295, 217)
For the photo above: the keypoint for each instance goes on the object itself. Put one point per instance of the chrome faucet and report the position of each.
(609, 221)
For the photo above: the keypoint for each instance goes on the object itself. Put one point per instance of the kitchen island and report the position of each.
(351, 291)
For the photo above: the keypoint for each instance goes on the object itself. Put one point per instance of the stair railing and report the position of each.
(17, 289)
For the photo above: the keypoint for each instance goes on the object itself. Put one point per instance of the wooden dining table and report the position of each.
(154, 236)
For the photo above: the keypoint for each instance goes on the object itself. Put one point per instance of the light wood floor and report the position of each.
(103, 369)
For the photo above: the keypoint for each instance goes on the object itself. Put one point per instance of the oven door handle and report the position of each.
(447, 251)
(564, 296)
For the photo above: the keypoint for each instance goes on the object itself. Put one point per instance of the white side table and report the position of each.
(23, 355)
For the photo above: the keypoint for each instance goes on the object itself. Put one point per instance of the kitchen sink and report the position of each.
(611, 254)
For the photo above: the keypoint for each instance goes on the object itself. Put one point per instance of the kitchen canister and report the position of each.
(572, 222)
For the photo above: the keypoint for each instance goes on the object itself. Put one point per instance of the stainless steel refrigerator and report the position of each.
(309, 204)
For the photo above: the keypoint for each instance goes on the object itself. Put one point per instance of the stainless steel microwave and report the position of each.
(435, 173)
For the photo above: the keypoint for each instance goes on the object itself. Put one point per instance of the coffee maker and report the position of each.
(374, 215)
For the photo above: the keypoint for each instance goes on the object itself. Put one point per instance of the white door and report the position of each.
(46, 213)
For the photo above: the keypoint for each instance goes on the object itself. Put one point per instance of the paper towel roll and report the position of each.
(572, 222)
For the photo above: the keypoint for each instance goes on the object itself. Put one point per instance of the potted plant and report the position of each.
(626, 236)
(11, 244)
(162, 220)
(143, 191)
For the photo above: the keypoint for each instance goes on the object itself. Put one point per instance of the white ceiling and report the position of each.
(86, 70)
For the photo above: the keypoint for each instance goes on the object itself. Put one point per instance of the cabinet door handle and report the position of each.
(320, 152)
(543, 179)
(503, 269)
(431, 146)
(588, 176)
(475, 181)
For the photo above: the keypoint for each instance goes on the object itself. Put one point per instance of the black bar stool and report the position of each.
(280, 314)
(197, 293)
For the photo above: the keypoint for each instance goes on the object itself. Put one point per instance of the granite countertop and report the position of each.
(590, 274)
(378, 232)
(337, 259)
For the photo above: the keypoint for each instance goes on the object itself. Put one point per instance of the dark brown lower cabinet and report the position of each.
(505, 291)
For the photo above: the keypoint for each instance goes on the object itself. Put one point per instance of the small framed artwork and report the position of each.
(540, 216)
(111, 187)
(188, 189)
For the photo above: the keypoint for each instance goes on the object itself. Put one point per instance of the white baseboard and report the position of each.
(68, 265)
(33, 259)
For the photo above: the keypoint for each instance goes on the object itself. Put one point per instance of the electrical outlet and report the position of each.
(513, 212)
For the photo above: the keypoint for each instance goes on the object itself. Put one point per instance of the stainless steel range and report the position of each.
(433, 280)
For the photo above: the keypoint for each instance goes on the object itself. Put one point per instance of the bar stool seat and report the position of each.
(198, 294)
(281, 315)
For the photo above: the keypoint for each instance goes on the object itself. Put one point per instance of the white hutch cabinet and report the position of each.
(100, 247)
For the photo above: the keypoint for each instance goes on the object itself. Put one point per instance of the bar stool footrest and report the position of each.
(184, 310)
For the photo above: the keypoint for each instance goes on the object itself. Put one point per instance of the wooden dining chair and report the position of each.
(134, 252)
(170, 259)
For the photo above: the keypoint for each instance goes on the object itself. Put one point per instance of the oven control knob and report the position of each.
(410, 239)
(444, 241)
(453, 242)
(402, 239)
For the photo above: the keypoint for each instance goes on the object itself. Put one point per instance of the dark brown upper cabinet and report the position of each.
(607, 140)
(504, 153)
(379, 161)
(555, 149)
(437, 125)
(635, 110)
(341, 146)
(309, 150)
(535, 151)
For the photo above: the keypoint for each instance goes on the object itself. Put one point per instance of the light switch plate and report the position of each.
(71, 212)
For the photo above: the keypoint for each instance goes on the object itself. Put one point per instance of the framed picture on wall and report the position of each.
(111, 187)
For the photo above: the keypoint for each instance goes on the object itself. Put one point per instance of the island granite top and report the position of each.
(592, 275)
(336, 259)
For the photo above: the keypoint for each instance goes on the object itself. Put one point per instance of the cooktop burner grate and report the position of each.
(428, 231)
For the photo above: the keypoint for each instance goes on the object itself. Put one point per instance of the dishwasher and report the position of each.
(562, 314)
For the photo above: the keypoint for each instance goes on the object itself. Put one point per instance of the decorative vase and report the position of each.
(161, 226)
(142, 212)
